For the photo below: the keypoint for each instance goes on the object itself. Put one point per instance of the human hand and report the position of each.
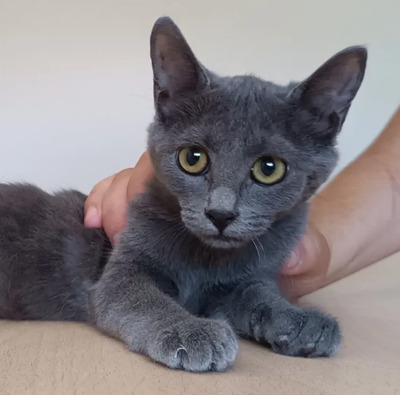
(307, 268)
(107, 203)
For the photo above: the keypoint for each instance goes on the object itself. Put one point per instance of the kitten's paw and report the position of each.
(301, 333)
(197, 345)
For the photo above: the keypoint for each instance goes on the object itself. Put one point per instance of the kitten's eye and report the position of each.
(269, 170)
(193, 160)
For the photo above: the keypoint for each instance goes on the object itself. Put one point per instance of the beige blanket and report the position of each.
(58, 358)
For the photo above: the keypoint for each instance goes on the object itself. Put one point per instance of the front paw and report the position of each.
(196, 345)
(297, 332)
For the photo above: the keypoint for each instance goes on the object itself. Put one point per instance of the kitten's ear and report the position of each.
(175, 68)
(330, 90)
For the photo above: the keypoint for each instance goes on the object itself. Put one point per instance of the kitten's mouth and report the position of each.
(225, 242)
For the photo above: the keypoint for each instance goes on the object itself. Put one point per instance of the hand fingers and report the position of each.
(107, 204)
(142, 173)
(93, 203)
(115, 204)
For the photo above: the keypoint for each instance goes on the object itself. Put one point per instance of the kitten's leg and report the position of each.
(257, 310)
(128, 305)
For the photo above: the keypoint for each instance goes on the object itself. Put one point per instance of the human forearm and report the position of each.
(359, 212)
(354, 221)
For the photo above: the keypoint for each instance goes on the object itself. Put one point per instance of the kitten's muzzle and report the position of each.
(220, 218)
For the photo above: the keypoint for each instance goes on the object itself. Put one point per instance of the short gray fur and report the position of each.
(174, 288)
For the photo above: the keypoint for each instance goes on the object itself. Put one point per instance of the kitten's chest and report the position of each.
(191, 285)
(196, 281)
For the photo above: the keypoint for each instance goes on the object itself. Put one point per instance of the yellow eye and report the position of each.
(193, 160)
(269, 170)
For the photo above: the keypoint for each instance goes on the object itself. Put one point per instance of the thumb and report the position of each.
(306, 269)
(312, 249)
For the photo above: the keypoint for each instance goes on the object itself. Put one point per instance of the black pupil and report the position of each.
(267, 166)
(192, 157)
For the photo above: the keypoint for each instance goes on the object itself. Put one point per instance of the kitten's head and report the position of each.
(239, 153)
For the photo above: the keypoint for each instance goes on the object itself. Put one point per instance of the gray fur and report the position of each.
(174, 287)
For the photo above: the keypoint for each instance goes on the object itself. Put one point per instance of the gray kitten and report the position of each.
(235, 160)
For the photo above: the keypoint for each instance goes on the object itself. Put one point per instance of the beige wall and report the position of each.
(75, 79)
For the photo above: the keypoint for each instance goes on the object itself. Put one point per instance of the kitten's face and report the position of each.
(239, 153)
(231, 163)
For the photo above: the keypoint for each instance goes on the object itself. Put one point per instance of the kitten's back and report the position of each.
(48, 260)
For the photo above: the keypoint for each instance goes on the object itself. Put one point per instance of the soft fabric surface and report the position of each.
(63, 358)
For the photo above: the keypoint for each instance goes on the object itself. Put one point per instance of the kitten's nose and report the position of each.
(220, 218)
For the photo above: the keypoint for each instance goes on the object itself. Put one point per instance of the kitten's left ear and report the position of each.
(176, 70)
(330, 90)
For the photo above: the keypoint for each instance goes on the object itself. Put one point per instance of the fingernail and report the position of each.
(293, 261)
(116, 238)
(91, 217)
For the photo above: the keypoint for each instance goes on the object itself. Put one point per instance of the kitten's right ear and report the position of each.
(329, 91)
(176, 70)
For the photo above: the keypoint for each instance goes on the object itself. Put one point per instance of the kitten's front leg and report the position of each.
(257, 310)
(127, 304)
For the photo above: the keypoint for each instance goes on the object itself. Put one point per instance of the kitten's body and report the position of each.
(175, 269)
(48, 260)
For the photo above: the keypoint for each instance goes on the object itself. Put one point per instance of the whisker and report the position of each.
(260, 244)
(258, 252)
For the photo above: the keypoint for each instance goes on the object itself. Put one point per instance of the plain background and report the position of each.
(76, 82)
